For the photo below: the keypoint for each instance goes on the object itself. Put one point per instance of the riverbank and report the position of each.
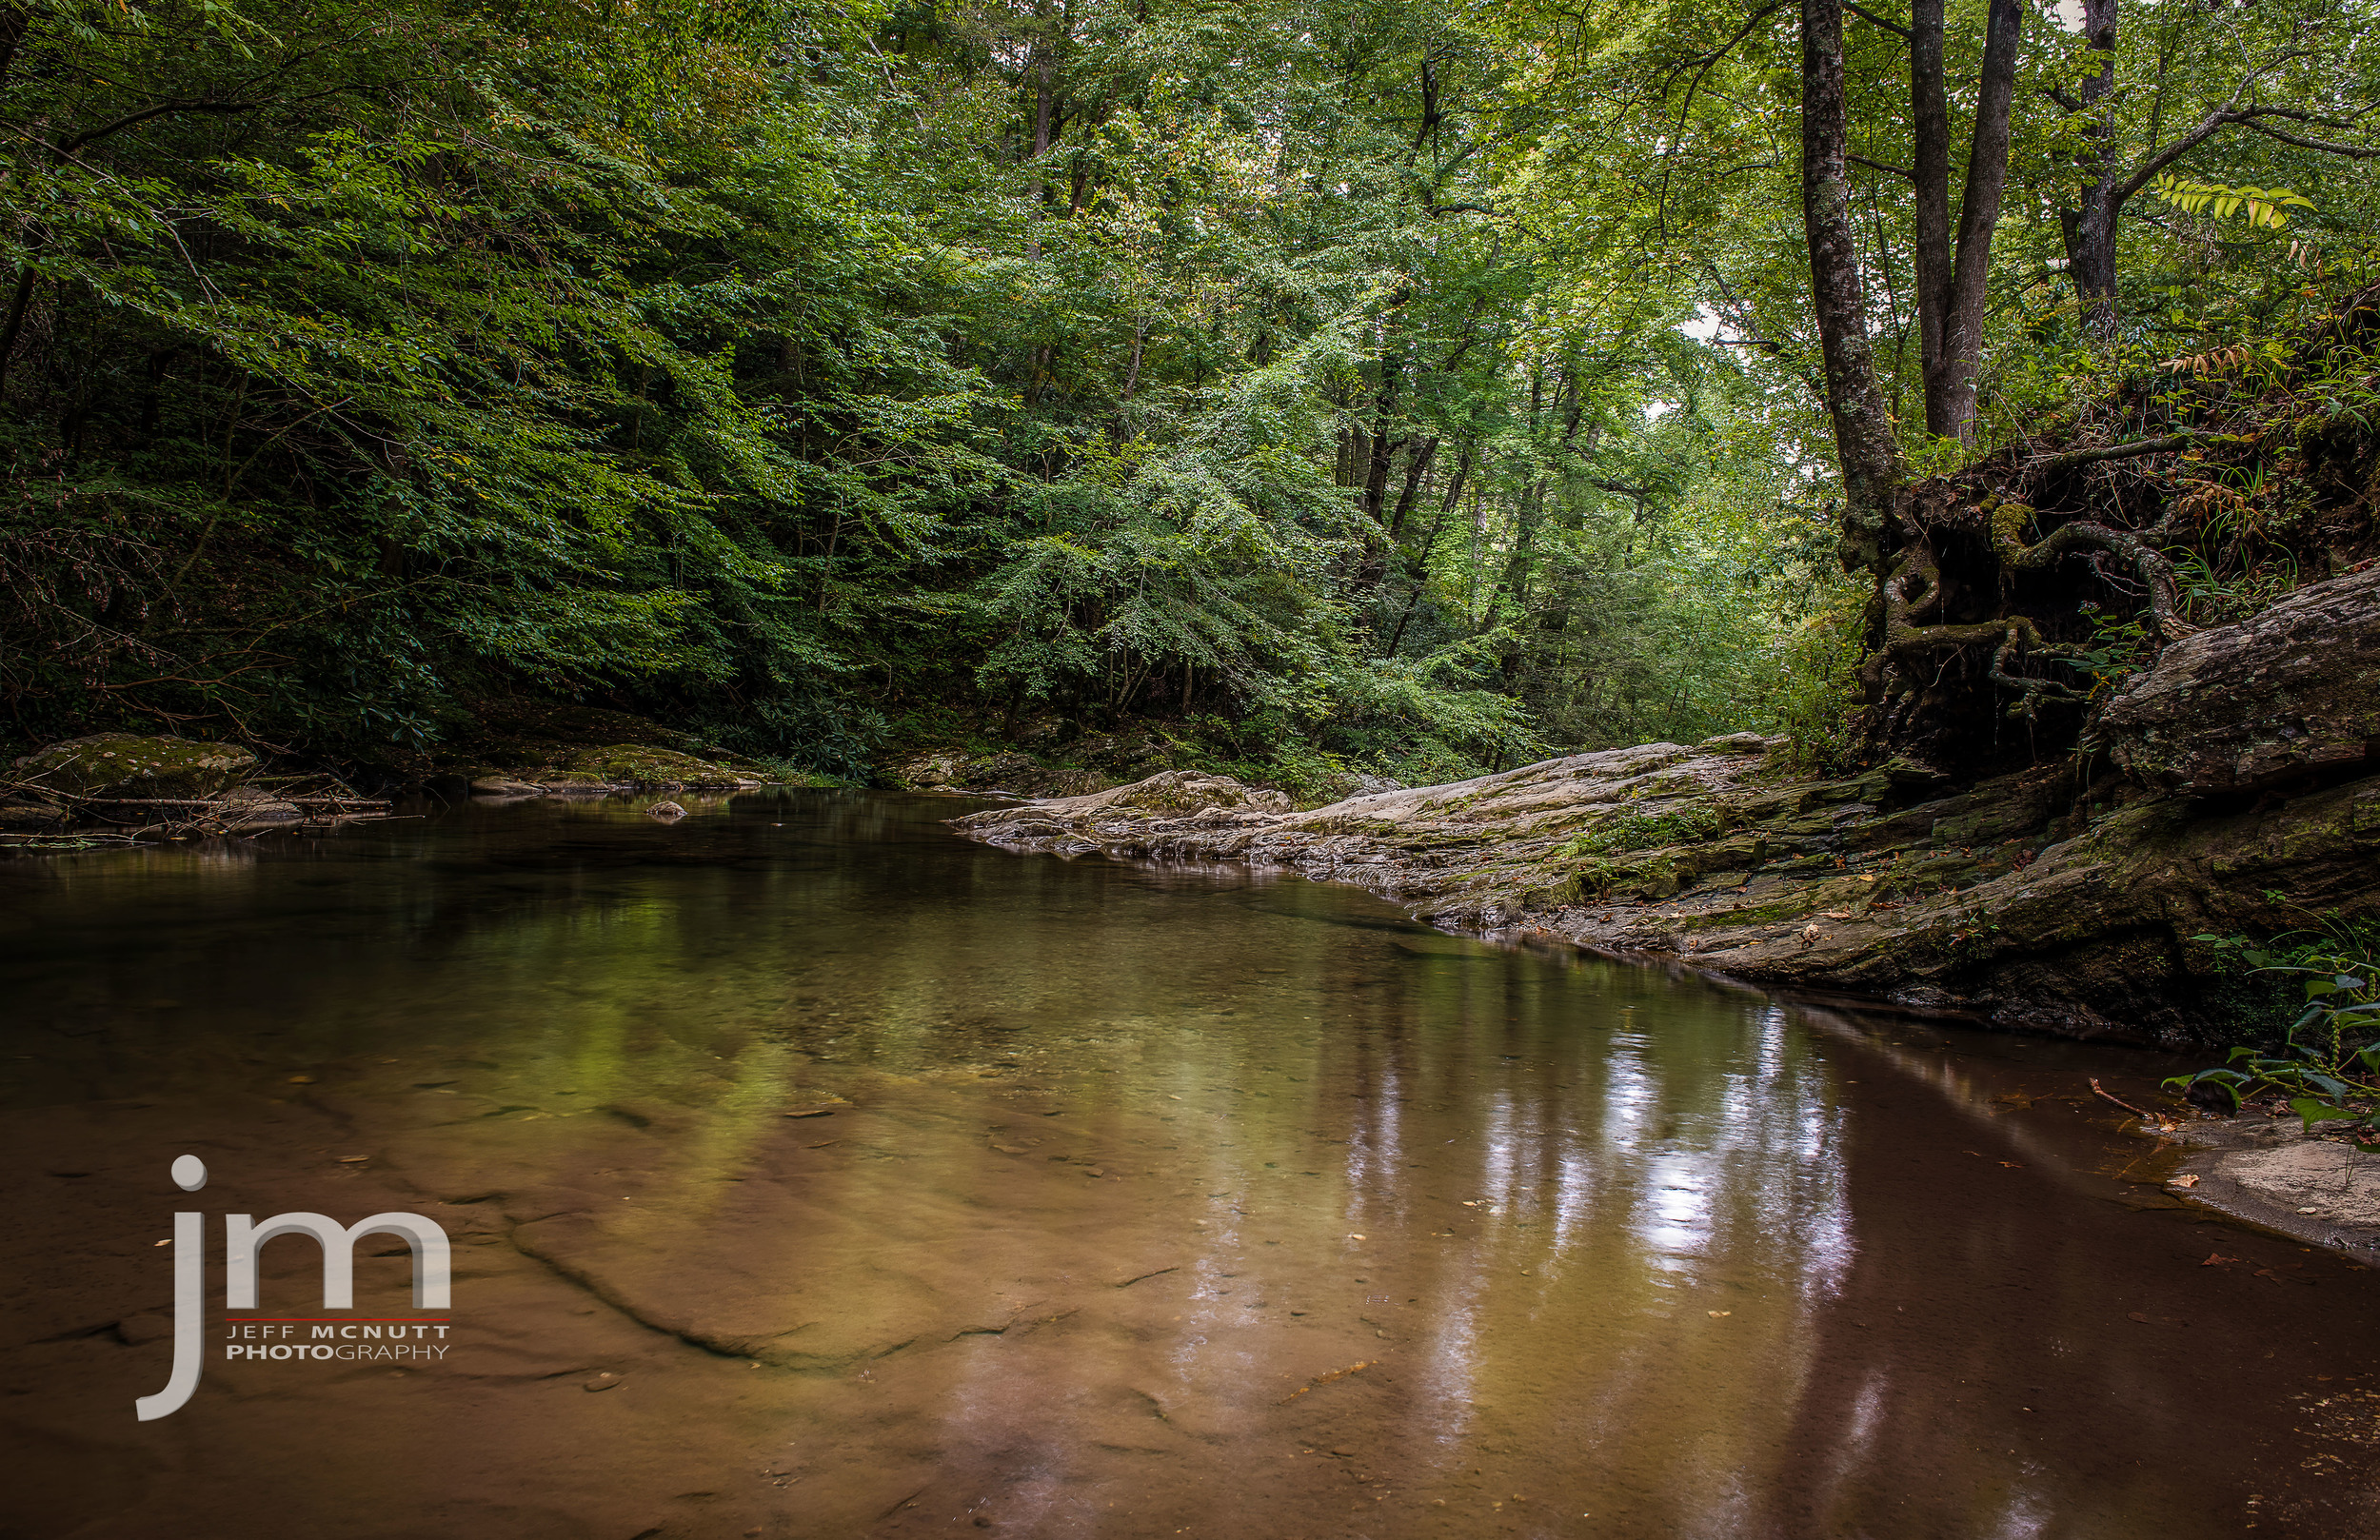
(2021, 903)
(2232, 791)
(2033, 900)
(116, 788)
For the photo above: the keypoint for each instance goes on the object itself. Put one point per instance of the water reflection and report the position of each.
(1123, 1201)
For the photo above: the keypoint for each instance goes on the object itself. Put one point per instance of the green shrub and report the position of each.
(2328, 1061)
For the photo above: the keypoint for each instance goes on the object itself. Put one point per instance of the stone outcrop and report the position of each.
(2040, 900)
(610, 769)
(2294, 692)
(131, 766)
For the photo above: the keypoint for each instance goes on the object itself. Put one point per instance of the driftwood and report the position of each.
(217, 801)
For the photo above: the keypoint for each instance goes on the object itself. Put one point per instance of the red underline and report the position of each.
(361, 1320)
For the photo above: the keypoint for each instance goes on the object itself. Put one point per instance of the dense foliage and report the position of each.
(1410, 387)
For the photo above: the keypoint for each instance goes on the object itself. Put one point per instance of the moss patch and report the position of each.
(129, 765)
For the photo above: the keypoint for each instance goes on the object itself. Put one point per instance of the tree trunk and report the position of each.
(14, 24)
(1864, 439)
(2090, 228)
(1930, 120)
(1042, 106)
(1951, 381)
(1417, 470)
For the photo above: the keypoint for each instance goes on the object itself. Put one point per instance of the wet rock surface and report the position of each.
(2042, 899)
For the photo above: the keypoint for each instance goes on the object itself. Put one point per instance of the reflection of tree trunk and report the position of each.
(1864, 439)
(2090, 228)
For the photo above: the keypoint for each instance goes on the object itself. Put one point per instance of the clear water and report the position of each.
(1132, 1201)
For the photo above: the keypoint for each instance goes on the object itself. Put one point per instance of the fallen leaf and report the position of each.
(1325, 1379)
(1717, 1313)
(2013, 1165)
(2135, 1315)
(2214, 1259)
(2185, 1181)
(813, 1112)
(301, 1080)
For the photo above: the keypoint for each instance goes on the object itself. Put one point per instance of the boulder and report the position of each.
(573, 784)
(2289, 693)
(644, 765)
(135, 767)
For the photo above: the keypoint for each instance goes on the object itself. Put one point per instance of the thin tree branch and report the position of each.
(1874, 20)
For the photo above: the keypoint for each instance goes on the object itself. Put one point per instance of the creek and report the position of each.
(1122, 1200)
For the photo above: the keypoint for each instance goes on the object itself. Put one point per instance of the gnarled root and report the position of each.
(2030, 692)
(2008, 519)
(1912, 595)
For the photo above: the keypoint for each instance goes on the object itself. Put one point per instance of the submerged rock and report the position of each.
(132, 766)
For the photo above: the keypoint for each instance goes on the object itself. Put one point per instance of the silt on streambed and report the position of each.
(1121, 1201)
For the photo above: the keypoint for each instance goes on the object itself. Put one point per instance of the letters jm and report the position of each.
(432, 1272)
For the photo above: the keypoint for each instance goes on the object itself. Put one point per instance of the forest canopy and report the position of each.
(1356, 386)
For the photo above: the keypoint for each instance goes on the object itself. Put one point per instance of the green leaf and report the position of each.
(2318, 1111)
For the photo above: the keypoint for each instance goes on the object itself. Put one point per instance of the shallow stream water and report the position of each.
(1120, 1200)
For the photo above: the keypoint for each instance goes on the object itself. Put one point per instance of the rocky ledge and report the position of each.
(118, 787)
(2063, 898)
(123, 786)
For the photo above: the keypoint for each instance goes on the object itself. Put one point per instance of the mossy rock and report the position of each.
(645, 765)
(132, 766)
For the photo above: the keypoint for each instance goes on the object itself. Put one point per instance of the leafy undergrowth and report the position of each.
(2326, 1063)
